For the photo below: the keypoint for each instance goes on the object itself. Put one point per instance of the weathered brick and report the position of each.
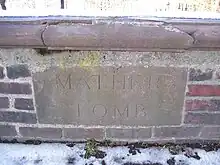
(17, 71)
(202, 118)
(2, 75)
(203, 90)
(83, 133)
(202, 105)
(210, 132)
(51, 133)
(4, 102)
(128, 133)
(7, 130)
(178, 132)
(25, 104)
(15, 88)
(199, 75)
(18, 117)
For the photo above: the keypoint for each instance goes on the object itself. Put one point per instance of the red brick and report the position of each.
(202, 105)
(203, 90)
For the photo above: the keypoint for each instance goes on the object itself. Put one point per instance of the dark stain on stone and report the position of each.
(171, 161)
(71, 161)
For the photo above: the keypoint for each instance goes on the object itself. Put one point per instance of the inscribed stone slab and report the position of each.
(131, 96)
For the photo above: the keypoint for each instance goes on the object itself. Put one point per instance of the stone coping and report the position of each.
(110, 33)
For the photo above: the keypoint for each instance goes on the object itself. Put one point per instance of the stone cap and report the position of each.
(110, 33)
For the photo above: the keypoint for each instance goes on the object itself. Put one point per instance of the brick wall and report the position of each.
(21, 113)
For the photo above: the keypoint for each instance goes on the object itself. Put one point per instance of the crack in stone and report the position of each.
(42, 34)
(192, 35)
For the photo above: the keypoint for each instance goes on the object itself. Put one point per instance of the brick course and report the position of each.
(49, 133)
(83, 133)
(18, 71)
(203, 90)
(128, 133)
(4, 102)
(199, 75)
(6, 130)
(176, 132)
(202, 105)
(18, 117)
(15, 88)
(24, 104)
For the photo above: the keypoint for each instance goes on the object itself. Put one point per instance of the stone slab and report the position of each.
(108, 96)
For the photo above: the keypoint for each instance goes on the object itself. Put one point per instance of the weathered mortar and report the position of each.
(66, 59)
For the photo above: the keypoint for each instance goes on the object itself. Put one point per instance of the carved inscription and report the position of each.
(108, 96)
(98, 82)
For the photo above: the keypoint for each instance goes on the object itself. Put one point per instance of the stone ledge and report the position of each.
(114, 33)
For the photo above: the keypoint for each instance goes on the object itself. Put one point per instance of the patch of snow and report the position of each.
(60, 154)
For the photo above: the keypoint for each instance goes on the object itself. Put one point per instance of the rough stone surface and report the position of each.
(24, 104)
(50, 133)
(4, 102)
(110, 96)
(6, 130)
(18, 117)
(17, 71)
(15, 88)
(115, 36)
(83, 133)
(128, 133)
(178, 132)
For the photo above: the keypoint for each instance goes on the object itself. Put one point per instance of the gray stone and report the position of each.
(83, 133)
(132, 96)
(202, 118)
(24, 104)
(15, 88)
(178, 132)
(17, 71)
(51, 133)
(7, 130)
(210, 132)
(128, 133)
(18, 117)
(4, 102)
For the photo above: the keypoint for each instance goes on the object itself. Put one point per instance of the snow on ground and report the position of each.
(61, 154)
